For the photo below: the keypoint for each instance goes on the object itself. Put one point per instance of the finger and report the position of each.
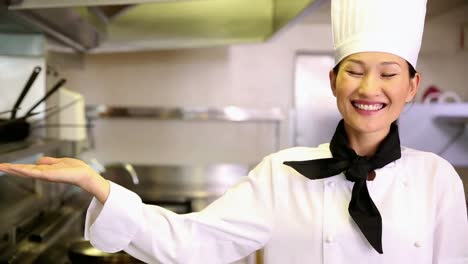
(47, 161)
(26, 170)
(3, 167)
(6, 167)
(11, 171)
(38, 172)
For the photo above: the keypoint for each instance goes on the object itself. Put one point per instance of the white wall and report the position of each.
(251, 75)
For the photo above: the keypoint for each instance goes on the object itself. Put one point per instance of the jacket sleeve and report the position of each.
(451, 227)
(232, 227)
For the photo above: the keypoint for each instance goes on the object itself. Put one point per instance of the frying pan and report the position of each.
(82, 252)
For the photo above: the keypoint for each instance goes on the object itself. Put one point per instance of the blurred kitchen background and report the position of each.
(178, 99)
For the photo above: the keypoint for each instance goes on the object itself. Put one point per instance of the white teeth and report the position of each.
(367, 107)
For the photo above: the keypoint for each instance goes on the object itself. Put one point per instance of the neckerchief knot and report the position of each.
(358, 169)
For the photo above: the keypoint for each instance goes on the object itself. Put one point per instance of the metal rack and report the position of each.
(34, 213)
(13, 151)
(200, 114)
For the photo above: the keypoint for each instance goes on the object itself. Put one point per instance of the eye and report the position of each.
(355, 73)
(388, 75)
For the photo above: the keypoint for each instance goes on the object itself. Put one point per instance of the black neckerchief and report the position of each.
(356, 168)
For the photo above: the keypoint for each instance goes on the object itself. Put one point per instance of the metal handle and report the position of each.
(129, 169)
(59, 84)
(25, 90)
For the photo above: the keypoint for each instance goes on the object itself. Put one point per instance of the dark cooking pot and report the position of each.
(82, 252)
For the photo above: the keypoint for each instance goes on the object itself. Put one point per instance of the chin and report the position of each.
(368, 126)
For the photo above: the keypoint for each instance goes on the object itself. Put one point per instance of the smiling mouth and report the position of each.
(368, 106)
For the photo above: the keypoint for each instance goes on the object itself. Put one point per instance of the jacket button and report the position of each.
(331, 184)
(404, 182)
(417, 244)
(329, 239)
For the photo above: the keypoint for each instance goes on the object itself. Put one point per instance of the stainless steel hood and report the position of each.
(126, 25)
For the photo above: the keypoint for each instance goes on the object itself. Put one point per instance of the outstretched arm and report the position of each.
(234, 226)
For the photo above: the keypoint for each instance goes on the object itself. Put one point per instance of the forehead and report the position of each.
(371, 58)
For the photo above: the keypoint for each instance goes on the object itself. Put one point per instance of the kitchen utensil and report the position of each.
(17, 129)
(82, 252)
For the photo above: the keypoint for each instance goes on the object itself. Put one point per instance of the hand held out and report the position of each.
(63, 170)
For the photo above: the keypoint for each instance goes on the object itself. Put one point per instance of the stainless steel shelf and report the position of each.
(453, 119)
(24, 202)
(23, 197)
(47, 229)
(10, 152)
(228, 114)
(234, 114)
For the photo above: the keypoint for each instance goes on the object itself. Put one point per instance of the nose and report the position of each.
(370, 86)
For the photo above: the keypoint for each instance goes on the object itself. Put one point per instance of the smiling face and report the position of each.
(371, 90)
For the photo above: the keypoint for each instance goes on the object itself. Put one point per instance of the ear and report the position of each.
(414, 87)
(332, 77)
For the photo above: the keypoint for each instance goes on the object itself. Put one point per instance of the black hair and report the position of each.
(411, 69)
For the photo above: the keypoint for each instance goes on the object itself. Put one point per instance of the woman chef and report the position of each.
(362, 198)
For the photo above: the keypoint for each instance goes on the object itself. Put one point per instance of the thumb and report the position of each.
(47, 161)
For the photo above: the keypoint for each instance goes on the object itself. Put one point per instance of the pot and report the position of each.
(82, 252)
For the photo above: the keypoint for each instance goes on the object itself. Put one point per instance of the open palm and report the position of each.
(64, 170)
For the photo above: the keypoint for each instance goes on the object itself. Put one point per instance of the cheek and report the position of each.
(342, 98)
(398, 94)
(341, 95)
(344, 87)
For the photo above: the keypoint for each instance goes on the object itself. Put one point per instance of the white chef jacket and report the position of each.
(296, 220)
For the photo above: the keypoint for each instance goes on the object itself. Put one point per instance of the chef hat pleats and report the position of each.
(393, 26)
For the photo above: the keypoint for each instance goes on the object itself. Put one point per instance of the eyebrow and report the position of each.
(356, 61)
(383, 63)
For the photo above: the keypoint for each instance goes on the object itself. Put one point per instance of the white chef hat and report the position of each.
(393, 26)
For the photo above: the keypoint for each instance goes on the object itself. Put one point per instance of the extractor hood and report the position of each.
(96, 26)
